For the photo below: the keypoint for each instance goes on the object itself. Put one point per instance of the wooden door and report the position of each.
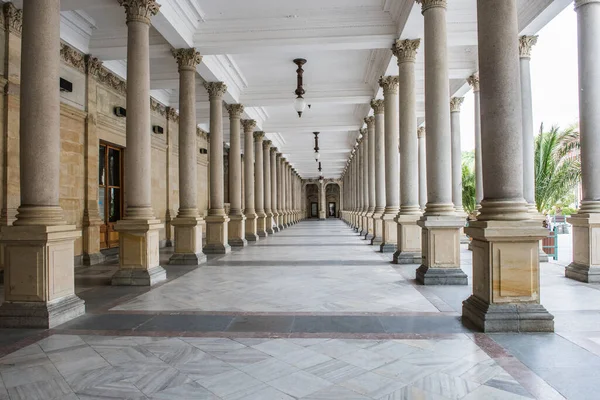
(314, 210)
(110, 193)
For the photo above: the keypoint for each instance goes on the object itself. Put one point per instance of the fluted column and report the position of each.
(586, 223)
(140, 228)
(250, 211)
(378, 109)
(274, 190)
(259, 187)
(280, 208)
(216, 221)
(392, 172)
(39, 247)
(506, 277)
(267, 183)
(237, 220)
(370, 159)
(474, 82)
(188, 223)
(408, 233)
(422, 168)
(441, 226)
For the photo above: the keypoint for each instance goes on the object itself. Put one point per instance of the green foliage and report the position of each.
(557, 171)
(468, 181)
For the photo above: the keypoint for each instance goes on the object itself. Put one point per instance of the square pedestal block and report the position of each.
(377, 230)
(251, 227)
(586, 248)
(216, 235)
(261, 225)
(389, 233)
(440, 250)
(39, 276)
(506, 278)
(139, 261)
(188, 241)
(370, 227)
(408, 236)
(236, 231)
(270, 224)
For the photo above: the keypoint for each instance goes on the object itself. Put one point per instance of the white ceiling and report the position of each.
(250, 45)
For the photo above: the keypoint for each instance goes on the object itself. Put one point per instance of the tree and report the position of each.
(468, 181)
(557, 166)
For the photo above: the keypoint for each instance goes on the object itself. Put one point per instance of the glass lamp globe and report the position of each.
(299, 105)
(317, 156)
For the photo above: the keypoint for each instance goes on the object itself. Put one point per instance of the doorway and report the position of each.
(110, 193)
(331, 209)
(314, 210)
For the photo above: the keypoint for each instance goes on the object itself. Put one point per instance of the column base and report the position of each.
(236, 231)
(525, 317)
(261, 225)
(408, 237)
(441, 276)
(40, 315)
(188, 241)
(377, 230)
(251, 228)
(389, 237)
(269, 224)
(139, 277)
(139, 253)
(93, 259)
(583, 273)
(217, 234)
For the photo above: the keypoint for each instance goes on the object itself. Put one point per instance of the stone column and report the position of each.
(139, 230)
(506, 289)
(474, 82)
(237, 219)
(526, 44)
(392, 172)
(259, 187)
(360, 154)
(441, 226)
(280, 210)
(422, 168)
(39, 247)
(370, 159)
(188, 223)
(267, 183)
(586, 223)
(356, 186)
(217, 221)
(365, 188)
(378, 108)
(455, 104)
(249, 212)
(274, 190)
(408, 233)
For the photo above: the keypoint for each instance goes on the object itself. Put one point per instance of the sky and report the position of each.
(554, 79)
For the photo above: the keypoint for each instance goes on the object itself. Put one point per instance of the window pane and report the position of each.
(101, 165)
(101, 198)
(114, 168)
(114, 204)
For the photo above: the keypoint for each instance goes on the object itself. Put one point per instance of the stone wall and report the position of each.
(87, 119)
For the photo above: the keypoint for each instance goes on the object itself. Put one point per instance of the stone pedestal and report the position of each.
(389, 232)
(217, 235)
(408, 238)
(586, 249)
(370, 227)
(251, 227)
(139, 261)
(506, 286)
(188, 241)
(377, 229)
(237, 231)
(261, 224)
(440, 248)
(40, 292)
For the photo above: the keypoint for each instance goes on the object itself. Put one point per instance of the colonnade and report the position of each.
(429, 218)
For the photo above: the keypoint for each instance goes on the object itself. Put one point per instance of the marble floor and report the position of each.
(312, 312)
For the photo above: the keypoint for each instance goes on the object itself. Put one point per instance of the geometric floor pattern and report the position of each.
(106, 367)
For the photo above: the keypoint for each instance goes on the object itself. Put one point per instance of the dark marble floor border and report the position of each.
(282, 313)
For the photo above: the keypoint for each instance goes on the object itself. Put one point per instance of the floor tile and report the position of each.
(335, 371)
(373, 385)
(366, 359)
(269, 369)
(336, 393)
(299, 384)
(228, 383)
(446, 385)
(242, 357)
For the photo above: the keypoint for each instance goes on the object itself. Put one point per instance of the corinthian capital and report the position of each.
(378, 106)
(389, 84)
(187, 59)
(579, 3)
(427, 4)
(259, 136)
(140, 10)
(369, 121)
(249, 125)
(235, 110)
(526, 43)
(266, 145)
(406, 50)
(13, 18)
(215, 90)
(455, 103)
(421, 132)
(473, 80)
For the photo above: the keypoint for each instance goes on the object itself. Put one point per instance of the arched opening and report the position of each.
(332, 200)
(312, 200)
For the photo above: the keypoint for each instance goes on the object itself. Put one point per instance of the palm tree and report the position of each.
(557, 166)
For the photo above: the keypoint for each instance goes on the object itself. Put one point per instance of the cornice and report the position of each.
(157, 107)
(72, 57)
(172, 115)
(12, 18)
